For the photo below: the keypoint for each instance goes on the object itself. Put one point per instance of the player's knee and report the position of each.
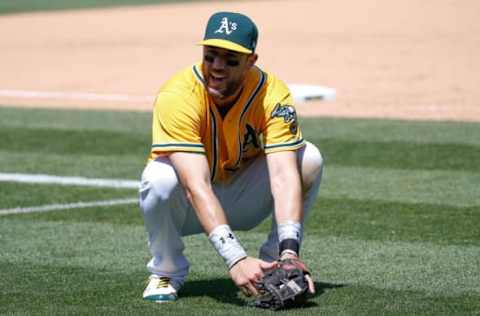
(164, 186)
(159, 180)
(312, 164)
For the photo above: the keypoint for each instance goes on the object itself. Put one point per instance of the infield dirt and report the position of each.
(387, 59)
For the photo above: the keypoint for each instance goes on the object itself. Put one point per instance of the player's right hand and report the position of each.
(247, 272)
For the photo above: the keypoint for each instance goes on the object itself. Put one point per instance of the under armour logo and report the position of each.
(226, 27)
(229, 236)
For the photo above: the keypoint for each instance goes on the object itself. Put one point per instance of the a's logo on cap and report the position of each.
(226, 26)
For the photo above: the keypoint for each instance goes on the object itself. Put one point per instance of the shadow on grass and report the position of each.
(225, 291)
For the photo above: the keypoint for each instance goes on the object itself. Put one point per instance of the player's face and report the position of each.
(224, 70)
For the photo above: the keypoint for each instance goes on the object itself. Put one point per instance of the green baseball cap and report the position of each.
(232, 31)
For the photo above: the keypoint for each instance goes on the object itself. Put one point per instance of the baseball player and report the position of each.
(227, 152)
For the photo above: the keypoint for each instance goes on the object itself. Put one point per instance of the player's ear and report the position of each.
(251, 60)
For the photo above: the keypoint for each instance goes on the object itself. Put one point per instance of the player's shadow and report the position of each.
(225, 291)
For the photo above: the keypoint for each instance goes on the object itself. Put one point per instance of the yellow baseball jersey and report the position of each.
(263, 120)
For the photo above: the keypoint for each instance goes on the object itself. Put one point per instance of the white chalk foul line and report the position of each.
(79, 181)
(68, 206)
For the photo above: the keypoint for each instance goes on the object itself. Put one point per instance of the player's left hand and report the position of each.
(247, 272)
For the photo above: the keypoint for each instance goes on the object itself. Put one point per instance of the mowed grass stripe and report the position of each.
(365, 300)
(422, 266)
(356, 130)
(125, 166)
(26, 195)
(401, 155)
(73, 142)
(448, 188)
(355, 219)
(114, 121)
(89, 291)
(392, 155)
(94, 291)
(385, 131)
(388, 221)
(70, 206)
(342, 129)
(118, 215)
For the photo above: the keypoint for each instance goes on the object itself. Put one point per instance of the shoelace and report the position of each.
(163, 282)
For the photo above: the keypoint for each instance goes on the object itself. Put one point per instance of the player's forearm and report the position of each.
(212, 218)
(288, 203)
(193, 172)
(289, 215)
(287, 194)
(286, 186)
(207, 207)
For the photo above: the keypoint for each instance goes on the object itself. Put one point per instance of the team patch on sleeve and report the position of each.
(289, 115)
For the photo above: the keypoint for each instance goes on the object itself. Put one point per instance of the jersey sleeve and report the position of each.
(282, 131)
(176, 125)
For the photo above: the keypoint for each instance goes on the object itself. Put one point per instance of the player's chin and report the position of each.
(216, 93)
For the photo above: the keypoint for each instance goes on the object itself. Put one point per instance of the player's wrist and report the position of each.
(227, 245)
(288, 254)
(289, 237)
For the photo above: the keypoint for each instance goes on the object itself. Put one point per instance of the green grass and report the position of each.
(74, 143)
(395, 230)
(17, 6)
(34, 194)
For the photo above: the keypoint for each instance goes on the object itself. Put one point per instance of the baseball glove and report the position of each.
(283, 287)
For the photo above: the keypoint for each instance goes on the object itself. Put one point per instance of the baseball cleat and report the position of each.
(159, 290)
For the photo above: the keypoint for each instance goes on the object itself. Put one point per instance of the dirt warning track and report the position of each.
(386, 59)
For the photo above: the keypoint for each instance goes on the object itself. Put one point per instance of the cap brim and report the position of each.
(225, 44)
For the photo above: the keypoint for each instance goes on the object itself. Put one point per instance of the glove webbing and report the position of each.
(281, 288)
